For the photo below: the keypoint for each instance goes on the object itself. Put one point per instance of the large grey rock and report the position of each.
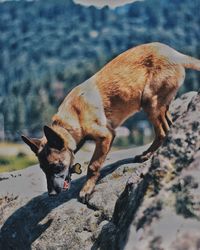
(180, 105)
(31, 220)
(134, 206)
(161, 210)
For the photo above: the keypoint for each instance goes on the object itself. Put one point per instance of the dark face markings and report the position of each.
(56, 166)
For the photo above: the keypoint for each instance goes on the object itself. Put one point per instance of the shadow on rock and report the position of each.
(28, 223)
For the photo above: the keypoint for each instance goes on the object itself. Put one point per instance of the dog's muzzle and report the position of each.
(59, 182)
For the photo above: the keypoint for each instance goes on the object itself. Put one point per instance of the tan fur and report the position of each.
(147, 76)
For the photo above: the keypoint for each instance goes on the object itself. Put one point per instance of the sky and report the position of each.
(97, 3)
(102, 3)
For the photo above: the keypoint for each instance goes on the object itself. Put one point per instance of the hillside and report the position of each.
(47, 47)
(134, 207)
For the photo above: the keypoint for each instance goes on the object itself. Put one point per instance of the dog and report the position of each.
(144, 77)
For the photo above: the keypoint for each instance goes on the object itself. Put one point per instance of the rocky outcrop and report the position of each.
(39, 222)
(161, 209)
(155, 205)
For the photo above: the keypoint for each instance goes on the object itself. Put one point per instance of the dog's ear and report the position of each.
(76, 168)
(33, 143)
(53, 138)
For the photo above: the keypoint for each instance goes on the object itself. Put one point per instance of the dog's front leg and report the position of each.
(103, 144)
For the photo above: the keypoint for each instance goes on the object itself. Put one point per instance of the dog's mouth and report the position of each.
(62, 181)
(67, 183)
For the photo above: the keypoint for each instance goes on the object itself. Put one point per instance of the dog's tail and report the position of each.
(189, 62)
(176, 57)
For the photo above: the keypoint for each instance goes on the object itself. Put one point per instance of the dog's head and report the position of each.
(55, 158)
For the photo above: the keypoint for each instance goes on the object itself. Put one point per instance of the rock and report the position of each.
(162, 209)
(180, 105)
(40, 222)
(155, 205)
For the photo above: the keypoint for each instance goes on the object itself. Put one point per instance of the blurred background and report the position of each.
(48, 47)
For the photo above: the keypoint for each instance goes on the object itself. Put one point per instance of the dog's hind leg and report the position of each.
(103, 138)
(168, 117)
(164, 120)
(160, 129)
(157, 116)
(157, 95)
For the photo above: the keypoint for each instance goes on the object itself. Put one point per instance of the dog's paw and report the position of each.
(86, 192)
(143, 157)
(84, 197)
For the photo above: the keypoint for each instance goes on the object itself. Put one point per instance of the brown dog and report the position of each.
(147, 76)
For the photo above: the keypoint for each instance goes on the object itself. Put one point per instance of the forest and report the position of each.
(48, 47)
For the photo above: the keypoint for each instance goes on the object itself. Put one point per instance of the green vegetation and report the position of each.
(15, 156)
(12, 163)
(48, 47)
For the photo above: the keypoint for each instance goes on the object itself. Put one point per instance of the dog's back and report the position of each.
(121, 87)
(122, 81)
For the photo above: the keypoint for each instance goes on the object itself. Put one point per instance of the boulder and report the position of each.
(161, 209)
(154, 205)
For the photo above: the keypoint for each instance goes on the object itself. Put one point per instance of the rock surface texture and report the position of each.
(155, 205)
